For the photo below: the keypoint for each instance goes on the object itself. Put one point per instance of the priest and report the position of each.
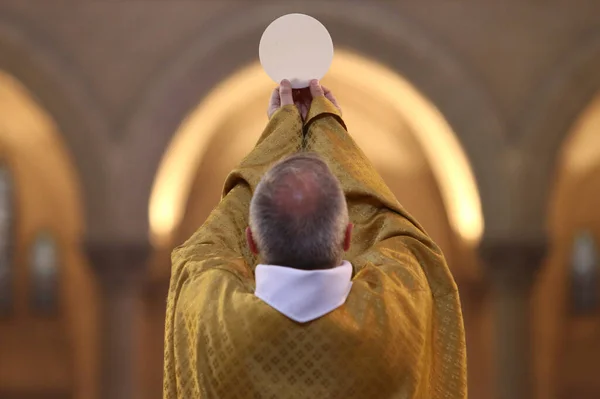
(309, 279)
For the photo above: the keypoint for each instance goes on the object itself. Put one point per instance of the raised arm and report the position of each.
(219, 244)
(220, 240)
(375, 211)
(386, 237)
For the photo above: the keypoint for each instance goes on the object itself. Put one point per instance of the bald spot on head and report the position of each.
(298, 214)
(297, 193)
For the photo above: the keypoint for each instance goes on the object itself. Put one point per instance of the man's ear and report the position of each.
(348, 236)
(251, 243)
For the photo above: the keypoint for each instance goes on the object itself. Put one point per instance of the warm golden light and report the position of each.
(26, 129)
(379, 87)
(48, 199)
(582, 152)
(180, 163)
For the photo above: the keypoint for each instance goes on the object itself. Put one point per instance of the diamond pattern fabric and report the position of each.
(399, 335)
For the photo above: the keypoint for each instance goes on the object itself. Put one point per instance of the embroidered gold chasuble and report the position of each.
(399, 335)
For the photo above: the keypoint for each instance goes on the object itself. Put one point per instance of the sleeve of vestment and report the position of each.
(395, 260)
(218, 252)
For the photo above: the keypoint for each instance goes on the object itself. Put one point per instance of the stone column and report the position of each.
(121, 271)
(512, 267)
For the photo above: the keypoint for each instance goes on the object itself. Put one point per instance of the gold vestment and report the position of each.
(399, 335)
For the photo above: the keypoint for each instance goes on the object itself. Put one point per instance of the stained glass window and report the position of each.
(6, 236)
(44, 264)
(584, 274)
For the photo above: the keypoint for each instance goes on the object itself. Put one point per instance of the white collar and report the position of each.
(303, 295)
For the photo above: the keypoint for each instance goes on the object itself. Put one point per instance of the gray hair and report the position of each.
(298, 214)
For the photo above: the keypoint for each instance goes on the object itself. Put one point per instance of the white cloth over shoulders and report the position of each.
(303, 295)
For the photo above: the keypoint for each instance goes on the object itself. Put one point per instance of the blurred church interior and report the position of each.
(119, 122)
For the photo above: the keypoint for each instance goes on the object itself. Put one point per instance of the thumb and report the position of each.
(285, 93)
(315, 89)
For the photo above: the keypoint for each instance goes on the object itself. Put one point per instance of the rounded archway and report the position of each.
(386, 101)
(405, 136)
(61, 91)
(51, 350)
(567, 343)
(548, 121)
(216, 51)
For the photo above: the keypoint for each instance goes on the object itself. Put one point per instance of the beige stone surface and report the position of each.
(119, 77)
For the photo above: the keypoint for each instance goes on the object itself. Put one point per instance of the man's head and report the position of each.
(299, 216)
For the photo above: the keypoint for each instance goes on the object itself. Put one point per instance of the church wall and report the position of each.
(511, 76)
(568, 342)
(54, 352)
(110, 57)
(30, 360)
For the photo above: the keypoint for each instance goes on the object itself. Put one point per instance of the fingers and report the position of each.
(285, 93)
(329, 95)
(282, 95)
(315, 89)
(274, 102)
(303, 110)
(302, 107)
(298, 105)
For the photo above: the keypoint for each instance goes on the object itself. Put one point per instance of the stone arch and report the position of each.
(549, 118)
(190, 160)
(231, 42)
(47, 196)
(565, 350)
(441, 150)
(58, 88)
